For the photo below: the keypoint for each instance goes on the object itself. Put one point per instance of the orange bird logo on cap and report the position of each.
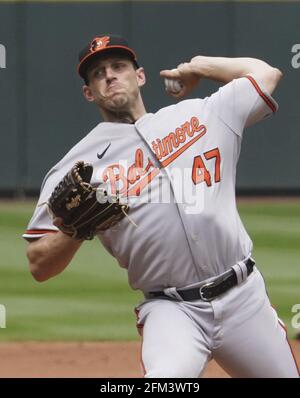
(98, 43)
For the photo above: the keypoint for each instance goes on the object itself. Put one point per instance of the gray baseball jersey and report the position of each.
(184, 159)
(177, 170)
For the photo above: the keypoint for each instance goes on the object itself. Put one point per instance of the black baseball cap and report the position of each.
(100, 45)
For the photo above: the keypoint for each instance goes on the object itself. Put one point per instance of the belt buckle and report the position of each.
(201, 293)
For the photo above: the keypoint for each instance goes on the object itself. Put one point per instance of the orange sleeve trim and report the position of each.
(39, 231)
(267, 100)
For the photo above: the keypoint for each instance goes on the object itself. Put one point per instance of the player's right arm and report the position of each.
(222, 70)
(51, 254)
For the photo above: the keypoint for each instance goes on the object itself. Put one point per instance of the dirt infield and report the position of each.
(94, 360)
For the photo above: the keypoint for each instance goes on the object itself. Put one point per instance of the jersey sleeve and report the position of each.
(41, 221)
(242, 103)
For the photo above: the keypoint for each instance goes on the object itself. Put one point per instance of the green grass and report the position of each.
(91, 299)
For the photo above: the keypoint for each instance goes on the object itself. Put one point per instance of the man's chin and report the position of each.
(117, 101)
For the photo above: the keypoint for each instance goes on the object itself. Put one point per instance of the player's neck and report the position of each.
(125, 116)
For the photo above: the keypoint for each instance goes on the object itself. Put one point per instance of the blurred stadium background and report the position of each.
(43, 114)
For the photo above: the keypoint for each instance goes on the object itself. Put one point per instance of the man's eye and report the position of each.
(99, 73)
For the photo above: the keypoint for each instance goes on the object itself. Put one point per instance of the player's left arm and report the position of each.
(223, 70)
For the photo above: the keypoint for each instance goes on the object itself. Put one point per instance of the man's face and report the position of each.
(114, 83)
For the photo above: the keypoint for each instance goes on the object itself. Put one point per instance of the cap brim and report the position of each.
(88, 59)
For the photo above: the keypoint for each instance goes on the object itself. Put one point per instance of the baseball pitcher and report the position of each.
(158, 190)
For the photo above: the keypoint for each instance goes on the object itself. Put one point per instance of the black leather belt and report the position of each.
(211, 290)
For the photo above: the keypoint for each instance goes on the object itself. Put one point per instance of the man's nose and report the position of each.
(110, 75)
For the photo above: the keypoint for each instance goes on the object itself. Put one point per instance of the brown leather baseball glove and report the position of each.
(84, 209)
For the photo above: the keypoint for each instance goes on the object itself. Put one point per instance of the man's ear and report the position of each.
(141, 77)
(87, 92)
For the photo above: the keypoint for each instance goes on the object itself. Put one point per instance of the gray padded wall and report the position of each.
(43, 113)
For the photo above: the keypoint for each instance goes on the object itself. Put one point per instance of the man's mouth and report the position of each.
(114, 87)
